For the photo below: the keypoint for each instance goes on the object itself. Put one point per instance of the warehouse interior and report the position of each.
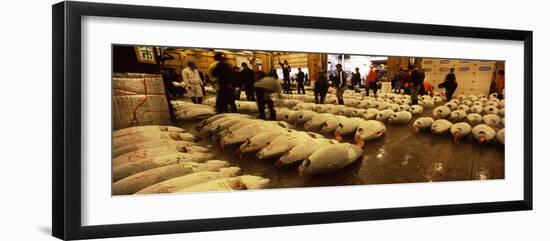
(158, 127)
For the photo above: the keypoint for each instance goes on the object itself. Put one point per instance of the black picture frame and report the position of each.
(66, 128)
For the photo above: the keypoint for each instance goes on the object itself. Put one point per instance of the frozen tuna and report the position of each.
(384, 115)
(416, 109)
(303, 150)
(441, 126)
(491, 120)
(317, 121)
(422, 123)
(474, 118)
(330, 158)
(369, 130)
(282, 144)
(150, 128)
(260, 140)
(136, 182)
(441, 112)
(460, 130)
(371, 114)
(229, 184)
(346, 126)
(483, 133)
(181, 182)
(401, 117)
(500, 136)
(457, 115)
(131, 168)
(152, 136)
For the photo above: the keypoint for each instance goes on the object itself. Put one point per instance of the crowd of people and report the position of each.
(412, 81)
(229, 82)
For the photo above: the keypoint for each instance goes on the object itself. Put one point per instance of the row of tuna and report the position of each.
(387, 107)
(486, 128)
(166, 159)
(481, 132)
(490, 111)
(277, 140)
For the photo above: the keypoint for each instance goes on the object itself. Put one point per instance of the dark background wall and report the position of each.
(125, 60)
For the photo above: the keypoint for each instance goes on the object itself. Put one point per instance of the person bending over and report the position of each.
(265, 86)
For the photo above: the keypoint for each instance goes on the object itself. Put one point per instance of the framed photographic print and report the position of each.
(169, 120)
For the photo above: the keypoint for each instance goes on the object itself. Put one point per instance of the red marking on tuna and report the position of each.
(136, 156)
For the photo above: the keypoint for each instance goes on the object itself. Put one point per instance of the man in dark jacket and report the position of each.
(396, 81)
(301, 78)
(449, 84)
(416, 83)
(356, 80)
(286, 76)
(246, 76)
(237, 83)
(340, 83)
(225, 75)
(405, 80)
(321, 87)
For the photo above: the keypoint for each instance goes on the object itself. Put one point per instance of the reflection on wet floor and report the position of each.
(399, 156)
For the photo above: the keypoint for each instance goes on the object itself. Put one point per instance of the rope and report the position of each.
(135, 120)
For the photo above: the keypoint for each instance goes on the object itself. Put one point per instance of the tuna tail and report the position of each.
(306, 163)
(482, 138)
(359, 141)
(278, 163)
(260, 155)
(456, 136)
(337, 135)
(222, 145)
(239, 153)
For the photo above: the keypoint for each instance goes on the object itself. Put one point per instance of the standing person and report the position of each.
(500, 84)
(192, 82)
(422, 77)
(320, 88)
(169, 78)
(272, 72)
(246, 77)
(265, 86)
(203, 79)
(213, 79)
(415, 85)
(396, 80)
(225, 76)
(237, 83)
(356, 80)
(449, 84)
(372, 79)
(286, 76)
(300, 79)
(405, 80)
(340, 83)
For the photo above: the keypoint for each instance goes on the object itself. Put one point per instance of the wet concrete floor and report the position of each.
(399, 156)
